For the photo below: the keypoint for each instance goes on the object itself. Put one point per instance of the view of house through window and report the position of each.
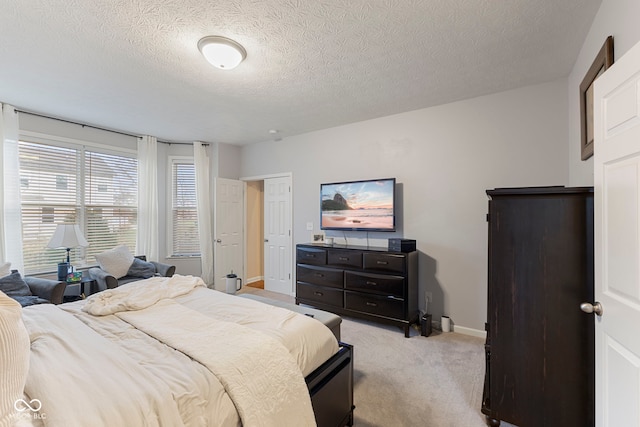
(184, 215)
(75, 184)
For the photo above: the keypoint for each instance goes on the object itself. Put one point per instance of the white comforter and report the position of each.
(121, 376)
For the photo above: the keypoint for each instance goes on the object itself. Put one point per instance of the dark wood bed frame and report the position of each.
(331, 389)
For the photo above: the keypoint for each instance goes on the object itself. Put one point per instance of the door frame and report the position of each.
(244, 219)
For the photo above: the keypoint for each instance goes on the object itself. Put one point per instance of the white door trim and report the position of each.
(263, 177)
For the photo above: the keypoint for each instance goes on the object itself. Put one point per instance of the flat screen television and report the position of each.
(358, 205)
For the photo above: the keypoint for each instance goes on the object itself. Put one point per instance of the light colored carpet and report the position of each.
(433, 381)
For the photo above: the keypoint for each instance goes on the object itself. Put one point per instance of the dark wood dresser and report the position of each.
(540, 345)
(368, 283)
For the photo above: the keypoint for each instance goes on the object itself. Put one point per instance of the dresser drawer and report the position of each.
(375, 283)
(320, 276)
(374, 304)
(351, 259)
(384, 262)
(311, 256)
(320, 294)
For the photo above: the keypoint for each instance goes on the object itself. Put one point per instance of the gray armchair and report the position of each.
(107, 281)
(51, 290)
(32, 290)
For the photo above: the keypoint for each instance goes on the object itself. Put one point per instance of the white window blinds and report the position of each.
(50, 196)
(184, 214)
(75, 185)
(111, 201)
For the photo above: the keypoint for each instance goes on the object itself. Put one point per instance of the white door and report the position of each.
(277, 239)
(228, 230)
(617, 242)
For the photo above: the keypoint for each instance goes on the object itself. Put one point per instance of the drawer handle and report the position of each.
(319, 275)
(372, 304)
(343, 258)
(310, 255)
(382, 262)
(371, 283)
(319, 294)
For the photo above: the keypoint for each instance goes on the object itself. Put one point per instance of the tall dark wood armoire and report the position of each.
(540, 345)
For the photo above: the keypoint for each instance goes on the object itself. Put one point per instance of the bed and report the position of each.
(171, 352)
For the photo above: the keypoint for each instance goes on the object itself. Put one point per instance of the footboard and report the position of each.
(331, 389)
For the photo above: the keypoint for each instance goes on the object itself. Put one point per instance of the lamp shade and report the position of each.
(67, 236)
(222, 52)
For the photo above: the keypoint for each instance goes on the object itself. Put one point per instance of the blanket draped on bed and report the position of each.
(275, 395)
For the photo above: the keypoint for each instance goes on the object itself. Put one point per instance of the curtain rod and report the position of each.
(99, 128)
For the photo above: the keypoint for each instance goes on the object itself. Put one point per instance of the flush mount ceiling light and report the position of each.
(222, 52)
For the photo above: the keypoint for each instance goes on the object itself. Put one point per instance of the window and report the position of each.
(111, 201)
(184, 215)
(62, 184)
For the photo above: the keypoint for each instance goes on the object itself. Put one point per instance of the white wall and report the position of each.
(618, 18)
(444, 158)
(228, 161)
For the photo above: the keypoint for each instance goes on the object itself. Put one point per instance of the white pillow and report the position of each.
(14, 357)
(5, 269)
(116, 261)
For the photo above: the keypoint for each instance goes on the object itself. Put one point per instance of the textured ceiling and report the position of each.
(134, 65)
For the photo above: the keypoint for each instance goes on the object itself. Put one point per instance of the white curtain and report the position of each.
(203, 201)
(11, 223)
(147, 237)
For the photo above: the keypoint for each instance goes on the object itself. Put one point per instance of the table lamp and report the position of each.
(66, 236)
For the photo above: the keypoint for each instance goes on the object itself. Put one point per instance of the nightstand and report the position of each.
(73, 289)
(88, 285)
(85, 287)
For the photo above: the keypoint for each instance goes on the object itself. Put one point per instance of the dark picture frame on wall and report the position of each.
(603, 60)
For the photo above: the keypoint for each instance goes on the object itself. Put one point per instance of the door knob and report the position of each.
(218, 241)
(592, 308)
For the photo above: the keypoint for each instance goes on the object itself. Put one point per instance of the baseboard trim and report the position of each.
(469, 331)
(255, 279)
